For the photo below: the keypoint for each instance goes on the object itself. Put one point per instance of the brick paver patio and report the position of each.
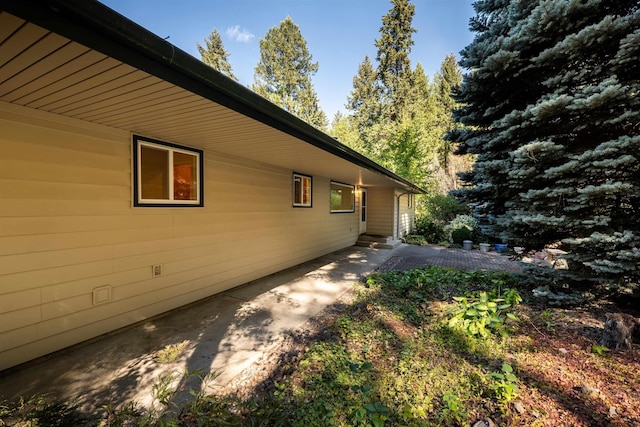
(410, 257)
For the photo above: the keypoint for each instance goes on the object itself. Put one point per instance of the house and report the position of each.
(134, 179)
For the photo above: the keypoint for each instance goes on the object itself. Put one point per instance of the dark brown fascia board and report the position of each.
(98, 27)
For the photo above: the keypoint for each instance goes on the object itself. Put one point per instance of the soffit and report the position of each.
(43, 70)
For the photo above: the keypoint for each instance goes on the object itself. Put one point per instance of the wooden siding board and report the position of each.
(60, 241)
(15, 338)
(10, 264)
(21, 226)
(12, 169)
(20, 300)
(34, 208)
(19, 318)
(40, 278)
(60, 149)
(60, 190)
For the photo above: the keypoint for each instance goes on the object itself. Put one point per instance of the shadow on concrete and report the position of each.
(223, 334)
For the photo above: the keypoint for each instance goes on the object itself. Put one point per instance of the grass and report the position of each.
(392, 358)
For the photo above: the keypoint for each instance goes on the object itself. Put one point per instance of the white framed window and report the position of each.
(166, 175)
(410, 200)
(342, 197)
(301, 191)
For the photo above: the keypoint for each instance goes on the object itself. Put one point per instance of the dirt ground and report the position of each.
(565, 383)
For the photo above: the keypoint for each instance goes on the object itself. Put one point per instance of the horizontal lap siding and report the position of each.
(406, 219)
(67, 227)
(380, 213)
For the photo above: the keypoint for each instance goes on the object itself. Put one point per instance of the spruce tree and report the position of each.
(283, 73)
(552, 111)
(394, 66)
(215, 55)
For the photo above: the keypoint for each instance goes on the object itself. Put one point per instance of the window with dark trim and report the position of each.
(166, 175)
(301, 191)
(342, 197)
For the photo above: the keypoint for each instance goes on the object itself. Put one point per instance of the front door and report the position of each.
(363, 211)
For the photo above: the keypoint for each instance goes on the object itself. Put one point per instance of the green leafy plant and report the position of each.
(374, 412)
(483, 315)
(171, 352)
(454, 409)
(430, 229)
(462, 227)
(504, 383)
(600, 350)
(461, 234)
(415, 239)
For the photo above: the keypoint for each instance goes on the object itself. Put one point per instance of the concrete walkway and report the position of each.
(224, 334)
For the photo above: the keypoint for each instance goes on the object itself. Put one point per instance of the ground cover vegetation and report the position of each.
(550, 107)
(427, 347)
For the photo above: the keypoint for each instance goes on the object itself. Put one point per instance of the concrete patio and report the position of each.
(224, 334)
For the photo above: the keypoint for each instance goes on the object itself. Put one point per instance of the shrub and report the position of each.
(461, 234)
(435, 212)
(432, 230)
(441, 208)
(415, 239)
(462, 227)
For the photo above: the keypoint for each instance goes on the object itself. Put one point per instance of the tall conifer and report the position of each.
(394, 46)
(552, 110)
(284, 71)
(215, 55)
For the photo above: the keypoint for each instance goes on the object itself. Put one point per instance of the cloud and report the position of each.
(239, 35)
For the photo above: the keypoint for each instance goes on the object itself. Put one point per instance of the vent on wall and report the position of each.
(102, 295)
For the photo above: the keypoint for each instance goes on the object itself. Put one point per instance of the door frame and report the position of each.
(363, 211)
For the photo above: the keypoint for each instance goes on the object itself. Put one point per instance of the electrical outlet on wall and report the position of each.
(156, 270)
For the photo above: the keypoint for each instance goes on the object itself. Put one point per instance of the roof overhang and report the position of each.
(81, 59)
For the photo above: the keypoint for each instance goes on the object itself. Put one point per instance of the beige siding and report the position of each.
(406, 214)
(67, 227)
(381, 212)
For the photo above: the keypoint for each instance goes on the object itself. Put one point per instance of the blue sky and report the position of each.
(339, 33)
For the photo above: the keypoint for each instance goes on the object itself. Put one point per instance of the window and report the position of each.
(410, 200)
(166, 174)
(342, 197)
(301, 191)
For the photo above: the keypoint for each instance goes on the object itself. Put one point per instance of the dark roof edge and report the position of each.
(101, 28)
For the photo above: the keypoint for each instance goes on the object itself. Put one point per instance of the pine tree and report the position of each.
(283, 74)
(215, 55)
(364, 102)
(394, 46)
(552, 110)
